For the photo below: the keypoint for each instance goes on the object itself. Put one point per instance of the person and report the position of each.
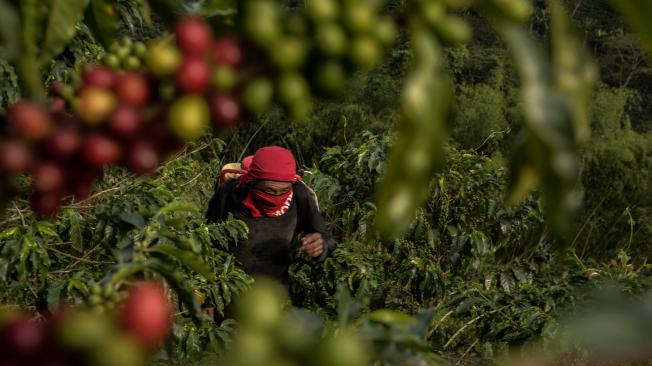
(280, 210)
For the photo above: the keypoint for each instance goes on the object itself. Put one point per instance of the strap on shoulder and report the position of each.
(303, 203)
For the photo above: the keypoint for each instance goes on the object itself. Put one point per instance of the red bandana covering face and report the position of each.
(269, 163)
(261, 204)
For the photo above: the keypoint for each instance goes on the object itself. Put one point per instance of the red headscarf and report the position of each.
(246, 162)
(269, 163)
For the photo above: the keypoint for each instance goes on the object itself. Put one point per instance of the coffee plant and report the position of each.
(105, 257)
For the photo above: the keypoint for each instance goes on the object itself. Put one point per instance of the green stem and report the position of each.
(28, 67)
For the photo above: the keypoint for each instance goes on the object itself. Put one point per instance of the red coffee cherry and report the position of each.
(194, 36)
(193, 76)
(101, 151)
(29, 120)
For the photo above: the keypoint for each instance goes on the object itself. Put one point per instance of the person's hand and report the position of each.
(312, 244)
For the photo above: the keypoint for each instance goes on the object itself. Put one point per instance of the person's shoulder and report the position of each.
(306, 196)
(301, 190)
(230, 184)
(230, 190)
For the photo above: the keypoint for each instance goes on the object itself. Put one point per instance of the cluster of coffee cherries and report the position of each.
(116, 119)
(126, 54)
(271, 335)
(104, 299)
(153, 98)
(132, 118)
(440, 15)
(312, 50)
(81, 337)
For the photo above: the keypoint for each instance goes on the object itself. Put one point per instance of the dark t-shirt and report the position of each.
(271, 243)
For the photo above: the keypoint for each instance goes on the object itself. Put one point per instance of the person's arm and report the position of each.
(316, 233)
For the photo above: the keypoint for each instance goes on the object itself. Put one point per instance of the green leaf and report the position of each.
(27, 246)
(132, 218)
(423, 322)
(10, 31)
(75, 284)
(638, 13)
(419, 147)
(521, 276)
(104, 21)
(10, 232)
(167, 10)
(53, 297)
(76, 230)
(145, 11)
(178, 207)
(386, 316)
(4, 267)
(180, 285)
(188, 258)
(218, 7)
(64, 16)
(28, 67)
(346, 307)
(45, 229)
(507, 283)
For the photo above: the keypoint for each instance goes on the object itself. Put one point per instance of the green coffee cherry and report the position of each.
(132, 63)
(115, 46)
(253, 348)
(95, 299)
(386, 31)
(261, 306)
(343, 349)
(224, 78)
(257, 95)
(96, 289)
(112, 61)
(126, 42)
(163, 59)
(107, 292)
(123, 53)
(292, 87)
(433, 12)
(453, 29)
(139, 49)
(331, 39)
(118, 350)
(289, 52)
(189, 116)
(322, 10)
(67, 92)
(359, 16)
(262, 22)
(84, 331)
(365, 52)
(516, 10)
